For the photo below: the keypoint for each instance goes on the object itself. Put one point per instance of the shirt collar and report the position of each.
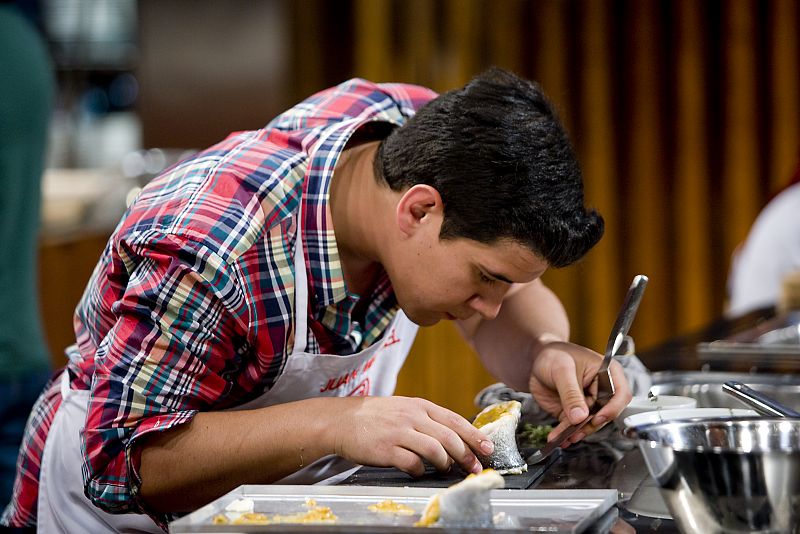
(323, 263)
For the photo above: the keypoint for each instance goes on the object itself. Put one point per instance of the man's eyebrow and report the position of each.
(498, 276)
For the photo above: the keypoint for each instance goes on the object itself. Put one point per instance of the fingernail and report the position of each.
(577, 414)
(476, 467)
(487, 446)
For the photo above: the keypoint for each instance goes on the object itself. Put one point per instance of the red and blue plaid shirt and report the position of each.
(191, 306)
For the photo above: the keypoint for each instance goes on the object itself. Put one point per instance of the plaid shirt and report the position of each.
(191, 306)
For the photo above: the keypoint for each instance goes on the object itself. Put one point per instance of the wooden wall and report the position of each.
(684, 114)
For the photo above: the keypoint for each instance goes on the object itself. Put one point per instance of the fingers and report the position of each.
(409, 431)
(428, 448)
(407, 461)
(570, 391)
(617, 403)
(621, 398)
(470, 436)
(458, 438)
(563, 371)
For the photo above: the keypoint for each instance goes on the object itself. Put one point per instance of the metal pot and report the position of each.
(726, 475)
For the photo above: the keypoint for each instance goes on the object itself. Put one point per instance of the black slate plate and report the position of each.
(391, 477)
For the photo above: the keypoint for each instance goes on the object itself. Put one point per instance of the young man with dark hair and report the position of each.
(249, 316)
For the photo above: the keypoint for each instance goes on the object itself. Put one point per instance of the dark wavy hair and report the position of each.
(503, 165)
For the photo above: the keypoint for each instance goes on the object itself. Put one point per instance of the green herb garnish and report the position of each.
(534, 435)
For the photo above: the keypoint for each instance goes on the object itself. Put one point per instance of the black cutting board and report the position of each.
(392, 477)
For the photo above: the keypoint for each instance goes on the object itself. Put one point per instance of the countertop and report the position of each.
(78, 202)
(611, 463)
(595, 466)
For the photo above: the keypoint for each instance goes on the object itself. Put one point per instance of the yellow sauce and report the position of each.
(317, 514)
(251, 518)
(493, 414)
(391, 507)
(219, 519)
(431, 513)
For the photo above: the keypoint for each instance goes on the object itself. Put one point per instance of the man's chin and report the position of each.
(423, 319)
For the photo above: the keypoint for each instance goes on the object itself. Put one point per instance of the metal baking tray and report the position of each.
(567, 511)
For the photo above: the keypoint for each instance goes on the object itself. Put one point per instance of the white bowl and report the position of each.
(657, 416)
(655, 403)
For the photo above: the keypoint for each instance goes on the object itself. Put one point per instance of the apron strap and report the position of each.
(64, 383)
(300, 288)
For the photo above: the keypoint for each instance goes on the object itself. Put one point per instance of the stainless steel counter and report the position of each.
(583, 466)
(593, 466)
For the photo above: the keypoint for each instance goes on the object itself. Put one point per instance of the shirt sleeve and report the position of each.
(180, 329)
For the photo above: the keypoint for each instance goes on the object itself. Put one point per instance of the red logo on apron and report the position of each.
(392, 339)
(361, 390)
(337, 382)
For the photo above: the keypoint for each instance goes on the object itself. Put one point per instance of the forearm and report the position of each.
(527, 320)
(190, 465)
(218, 451)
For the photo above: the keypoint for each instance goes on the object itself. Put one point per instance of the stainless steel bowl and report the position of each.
(726, 475)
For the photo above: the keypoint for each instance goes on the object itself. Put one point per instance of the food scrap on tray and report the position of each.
(466, 504)
(391, 507)
(499, 422)
(240, 512)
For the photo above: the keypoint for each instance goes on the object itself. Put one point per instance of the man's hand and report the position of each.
(401, 432)
(560, 375)
(189, 465)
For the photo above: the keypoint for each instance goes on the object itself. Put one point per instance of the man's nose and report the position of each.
(488, 308)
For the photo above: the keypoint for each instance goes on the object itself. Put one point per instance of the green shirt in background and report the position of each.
(26, 97)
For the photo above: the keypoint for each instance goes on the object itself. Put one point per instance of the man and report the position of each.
(764, 265)
(250, 313)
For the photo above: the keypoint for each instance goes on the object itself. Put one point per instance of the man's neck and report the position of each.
(355, 198)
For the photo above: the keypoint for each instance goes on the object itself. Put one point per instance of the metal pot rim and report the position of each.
(772, 434)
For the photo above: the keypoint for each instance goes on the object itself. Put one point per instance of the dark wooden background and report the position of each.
(684, 114)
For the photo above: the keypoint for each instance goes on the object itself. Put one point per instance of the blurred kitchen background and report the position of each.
(685, 115)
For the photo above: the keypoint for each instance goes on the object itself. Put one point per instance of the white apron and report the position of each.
(63, 507)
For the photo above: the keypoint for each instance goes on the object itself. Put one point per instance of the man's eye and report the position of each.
(485, 279)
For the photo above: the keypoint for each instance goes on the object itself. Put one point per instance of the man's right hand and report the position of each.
(401, 432)
(187, 466)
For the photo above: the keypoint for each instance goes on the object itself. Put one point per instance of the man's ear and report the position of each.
(420, 206)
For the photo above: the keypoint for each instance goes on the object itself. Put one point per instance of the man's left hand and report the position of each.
(562, 382)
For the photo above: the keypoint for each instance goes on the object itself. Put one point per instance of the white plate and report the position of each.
(656, 402)
(657, 416)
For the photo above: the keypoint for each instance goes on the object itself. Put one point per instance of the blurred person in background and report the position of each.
(769, 255)
(26, 96)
